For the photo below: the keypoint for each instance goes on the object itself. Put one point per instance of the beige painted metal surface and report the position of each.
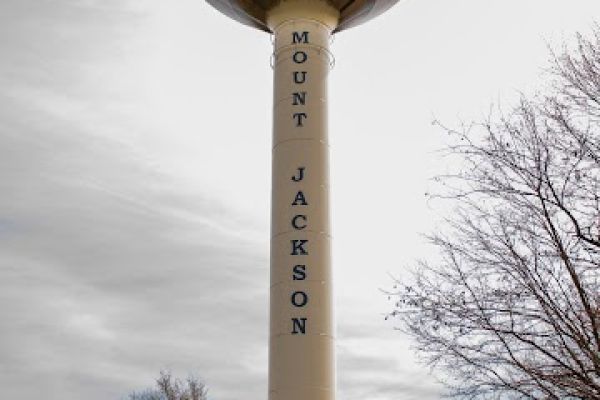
(302, 330)
(302, 333)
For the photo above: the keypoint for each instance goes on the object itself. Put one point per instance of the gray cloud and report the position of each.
(377, 364)
(110, 268)
(110, 273)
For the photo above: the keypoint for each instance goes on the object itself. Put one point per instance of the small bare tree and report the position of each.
(169, 388)
(512, 310)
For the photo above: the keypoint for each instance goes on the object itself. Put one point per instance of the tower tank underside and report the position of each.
(254, 12)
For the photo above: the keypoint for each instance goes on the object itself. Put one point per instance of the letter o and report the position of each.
(300, 57)
(299, 302)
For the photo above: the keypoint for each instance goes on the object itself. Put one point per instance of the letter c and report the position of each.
(295, 222)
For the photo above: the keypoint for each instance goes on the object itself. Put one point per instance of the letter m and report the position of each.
(298, 37)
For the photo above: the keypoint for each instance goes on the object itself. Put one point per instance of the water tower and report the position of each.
(302, 331)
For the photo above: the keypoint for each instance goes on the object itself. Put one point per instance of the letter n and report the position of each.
(299, 98)
(298, 326)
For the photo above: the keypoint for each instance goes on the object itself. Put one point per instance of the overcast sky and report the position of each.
(134, 183)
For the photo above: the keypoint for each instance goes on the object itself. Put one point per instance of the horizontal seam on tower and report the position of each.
(303, 230)
(294, 139)
(295, 388)
(303, 281)
(296, 20)
(306, 334)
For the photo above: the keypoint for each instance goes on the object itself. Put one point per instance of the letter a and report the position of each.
(300, 200)
(299, 177)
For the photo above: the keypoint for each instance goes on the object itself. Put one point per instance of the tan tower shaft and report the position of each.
(301, 351)
(302, 334)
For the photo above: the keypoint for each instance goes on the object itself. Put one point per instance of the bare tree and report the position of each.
(512, 310)
(169, 388)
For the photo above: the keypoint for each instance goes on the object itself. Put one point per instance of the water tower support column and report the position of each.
(301, 333)
(301, 351)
